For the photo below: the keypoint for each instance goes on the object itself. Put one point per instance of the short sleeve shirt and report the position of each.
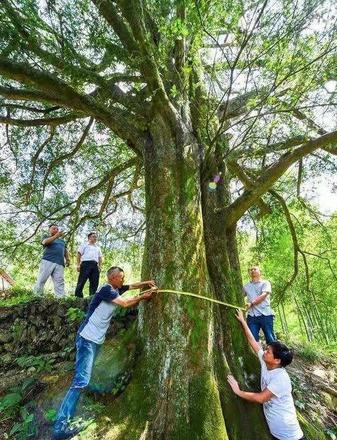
(100, 312)
(280, 410)
(55, 251)
(90, 252)
(253, 290)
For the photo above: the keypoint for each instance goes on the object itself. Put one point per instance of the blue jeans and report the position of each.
(266, 323)
(86, 352)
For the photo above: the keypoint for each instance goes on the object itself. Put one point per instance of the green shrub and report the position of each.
(309, 351)
(74, 314)
(50, 415)
(25, 428)
(10, 403)
(38, 362)
(17, 295)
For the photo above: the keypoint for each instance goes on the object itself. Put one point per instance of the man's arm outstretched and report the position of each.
(261, 397)
(250, 338)
(133, 301)
(264, 395)
(141, 284)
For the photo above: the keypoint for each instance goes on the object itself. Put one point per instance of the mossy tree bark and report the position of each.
(177, 332)
(188, 346)
(243, 420)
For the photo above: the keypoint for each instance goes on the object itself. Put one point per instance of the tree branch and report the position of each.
(57, 91)
(269, 177)
(269, 148)
(135, 15)
(34, 160)
(111, 15)
(28, 108)
(55, 162)
(30, 95)
(32, 42)
(134, 185)
(296, 247)
(235, 168)
(108, 177)
(103, 206)
(310, 122)
(49, 84)
(238, 106)
(53, 122)
(299, 177)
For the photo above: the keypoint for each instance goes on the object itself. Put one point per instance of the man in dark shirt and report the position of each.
(90, 337)
(55, 256)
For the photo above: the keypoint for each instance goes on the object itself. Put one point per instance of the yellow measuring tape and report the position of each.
(194, 295)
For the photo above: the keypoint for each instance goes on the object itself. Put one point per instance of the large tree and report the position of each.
(183, 93)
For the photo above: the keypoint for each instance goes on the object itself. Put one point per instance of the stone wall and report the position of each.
(46, 327)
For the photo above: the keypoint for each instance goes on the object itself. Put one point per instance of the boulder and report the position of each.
(114, 363)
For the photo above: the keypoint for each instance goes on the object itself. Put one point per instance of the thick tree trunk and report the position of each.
(178, 331)
(179, 388)
(243, 420)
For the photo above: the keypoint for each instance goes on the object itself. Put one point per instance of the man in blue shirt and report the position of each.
(55, 256)
(90, 337)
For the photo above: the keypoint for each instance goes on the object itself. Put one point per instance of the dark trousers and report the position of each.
(88, 271)
(266, 323)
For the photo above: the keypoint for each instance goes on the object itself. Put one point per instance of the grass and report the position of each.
(309, 351)
(17, 295)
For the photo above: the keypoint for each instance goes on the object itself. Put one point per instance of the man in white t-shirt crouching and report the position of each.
(275, 395)
(89, 263)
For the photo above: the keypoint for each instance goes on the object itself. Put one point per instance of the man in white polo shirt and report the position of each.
(89, 263)
(275, 394)
(260, 314)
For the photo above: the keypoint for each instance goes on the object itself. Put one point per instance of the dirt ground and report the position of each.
(315, 391)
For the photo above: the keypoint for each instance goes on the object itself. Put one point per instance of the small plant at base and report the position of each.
(10, 403)
(74, 314)
(309, 352)
(93, 406)
(37, 362)
(17, 295)
(50, 415)
(17, 330)
(11, 407)
(26, 428)
(299, 392)
(118, 386)
(331, 433)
